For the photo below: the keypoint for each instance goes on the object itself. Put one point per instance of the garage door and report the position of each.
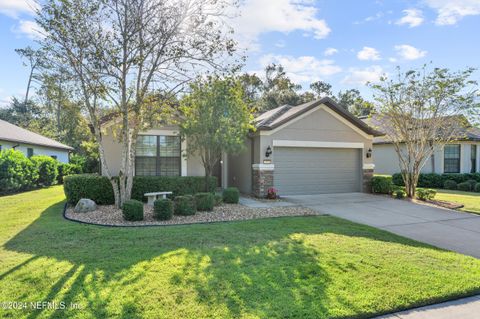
(316, 170)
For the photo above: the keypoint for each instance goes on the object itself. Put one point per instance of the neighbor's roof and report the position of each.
(466, 132)
(282, 114)
(16, 134)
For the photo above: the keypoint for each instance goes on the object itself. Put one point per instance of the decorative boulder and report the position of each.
(85, 205)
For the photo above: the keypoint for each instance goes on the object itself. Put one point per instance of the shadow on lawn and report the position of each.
(260, 268)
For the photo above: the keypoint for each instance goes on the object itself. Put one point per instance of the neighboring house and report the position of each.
(29, 143)
(460, 156)
(316, 147)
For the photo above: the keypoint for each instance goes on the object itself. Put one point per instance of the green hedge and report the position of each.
(205, 201)
(438, 180)
(97, 188)
(231, 195)
(17, 172)
(132, 210)
(163, 209)
(179, 185)
(477, 188)
(185, 205)
(450, 184)
(65, 169)
(47, 169)
(464, 186)
(382, 184)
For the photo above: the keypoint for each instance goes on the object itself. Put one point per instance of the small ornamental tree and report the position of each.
(424, 110)
(216, 120)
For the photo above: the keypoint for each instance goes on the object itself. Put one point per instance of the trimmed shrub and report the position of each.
(205, 201)
(65, 169)
(464, 186)
(399, 193)
(450, 184)
(179, 185)
(382, 184)
(430, 180)
(47, 169)
(218, 199)
(426, 193)
(477, 188)
(97, 188)
(17, 172)
(163, 209)
(231, 195)
(472, 183)
(132, 210)
(397, 179)
(185, 205)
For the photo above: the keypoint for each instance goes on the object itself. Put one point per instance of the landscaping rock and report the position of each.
(85, 205)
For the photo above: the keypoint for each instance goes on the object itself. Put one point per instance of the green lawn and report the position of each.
(303, 267)
(469, 199)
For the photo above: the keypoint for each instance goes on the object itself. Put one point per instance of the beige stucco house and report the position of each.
(316, 147)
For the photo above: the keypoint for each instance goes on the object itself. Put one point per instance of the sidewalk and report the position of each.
(254, 203)
(466, 308)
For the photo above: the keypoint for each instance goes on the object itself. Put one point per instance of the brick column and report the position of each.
(368, 170)
(262, 179)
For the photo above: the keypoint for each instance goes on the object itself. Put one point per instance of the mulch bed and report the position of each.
(111, 216)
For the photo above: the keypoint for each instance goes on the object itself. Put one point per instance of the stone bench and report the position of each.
(153, 196)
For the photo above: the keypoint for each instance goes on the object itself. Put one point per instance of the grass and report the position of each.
(299, 267)
(470, 200)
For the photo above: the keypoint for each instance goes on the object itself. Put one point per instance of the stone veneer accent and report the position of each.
(262, 179)
(367, 180)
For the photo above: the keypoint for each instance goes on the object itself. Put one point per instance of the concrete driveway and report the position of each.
(439, 227)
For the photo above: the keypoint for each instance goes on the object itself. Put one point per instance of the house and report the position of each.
(316, 147)
(460, 156)
(30, 143)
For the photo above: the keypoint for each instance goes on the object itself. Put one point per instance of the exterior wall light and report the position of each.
(369, 153)
(268, 152)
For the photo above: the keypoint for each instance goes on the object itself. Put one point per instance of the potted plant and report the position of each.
(272, 193)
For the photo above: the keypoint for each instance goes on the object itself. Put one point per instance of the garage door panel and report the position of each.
(316, 170)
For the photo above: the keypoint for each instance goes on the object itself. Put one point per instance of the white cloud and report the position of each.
(280, 44)
(368, 53)
(360, 76)
(262, 16)
(13, 8)
(330, 51)
(393, 60)
(412, 17)
(29, 28)
(409, 52)
(449, 12)
(303, 69)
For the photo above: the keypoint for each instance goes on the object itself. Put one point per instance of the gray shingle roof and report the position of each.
(16, 134)
(282, 114)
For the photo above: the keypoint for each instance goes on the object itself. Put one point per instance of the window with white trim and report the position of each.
(451, 158)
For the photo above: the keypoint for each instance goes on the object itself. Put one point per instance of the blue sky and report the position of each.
(343, 42)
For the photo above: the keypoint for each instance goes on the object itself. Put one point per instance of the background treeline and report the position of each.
(49, 107)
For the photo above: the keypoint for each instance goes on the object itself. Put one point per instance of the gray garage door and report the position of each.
(316, 170)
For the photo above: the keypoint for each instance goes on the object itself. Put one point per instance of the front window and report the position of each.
(29, 152)
(451, 158)
(158, 156)
(474, 159)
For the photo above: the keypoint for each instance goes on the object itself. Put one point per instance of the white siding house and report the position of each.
(30, 143)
